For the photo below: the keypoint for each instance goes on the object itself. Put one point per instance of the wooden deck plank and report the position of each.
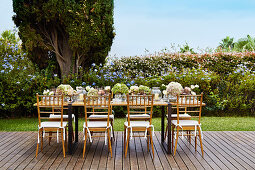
(119, 152)
(170, 157)
(216, 154)
(15, 158)
(111, 161)
(162, 156)
(12, 149)
(97, 156)
(147, 155)
(91, 153)
(77, 153)
(245, 158)
(226, 150)
(187, 148)
(139, 152)
(222, 150)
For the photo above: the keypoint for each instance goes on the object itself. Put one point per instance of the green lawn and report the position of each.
(208, 124)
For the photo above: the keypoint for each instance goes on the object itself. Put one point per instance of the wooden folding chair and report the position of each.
(103, 117)
(97, 105)
(193, 104)
(139, 105)
(47, 105)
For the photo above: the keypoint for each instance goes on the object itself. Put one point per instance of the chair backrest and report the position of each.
(139, 104)
(97, 105)
(189, 104)
(47, 105)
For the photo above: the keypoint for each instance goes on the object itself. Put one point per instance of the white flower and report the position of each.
(134, 88)
(196, 86)
(192, 86)
(87, 88)
(46, 92)
(51, 93)
(108, 88)
(163, 85)
(193, 93)
(164, 92)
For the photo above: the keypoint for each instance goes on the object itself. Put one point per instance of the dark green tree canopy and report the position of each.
(76, 32)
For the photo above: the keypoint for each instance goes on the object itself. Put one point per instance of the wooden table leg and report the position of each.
(70, 129)
(162, 124)
(166, 146)
(169, 133)
(76, 124)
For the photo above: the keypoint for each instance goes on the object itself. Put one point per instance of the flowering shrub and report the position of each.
(226, 79)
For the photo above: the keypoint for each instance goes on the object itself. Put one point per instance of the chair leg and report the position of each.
(41, 140)
(196, 142)
(50, 136)
(152, 147)
(124, 137)
(109, 140)
(63, 142)
(65, 139)
(113, 130)
(84, 147)
(37, 147)
(177, 136)
(127, 141)
(148, 141)
(172, 143)
(201, 145)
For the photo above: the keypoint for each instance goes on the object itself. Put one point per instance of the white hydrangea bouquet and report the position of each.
(174, 88)
(65, 89)
(134, 89)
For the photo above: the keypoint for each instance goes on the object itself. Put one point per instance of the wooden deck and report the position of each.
(223, 150)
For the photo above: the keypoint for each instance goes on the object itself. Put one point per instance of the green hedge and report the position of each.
(227, 79)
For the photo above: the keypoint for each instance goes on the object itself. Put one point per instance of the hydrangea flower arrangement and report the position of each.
(174, 88)
(120, 88)
(144, 89)
(92, 92)
(65, 89)
(134, 89)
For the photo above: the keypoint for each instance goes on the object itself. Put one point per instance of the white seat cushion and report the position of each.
(139, 116)
(96, 124)
(59, 116)
(101, 116)
(186, 122)
(181, 115)
(138, 123)
(51, 124)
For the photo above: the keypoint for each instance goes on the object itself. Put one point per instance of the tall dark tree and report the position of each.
(76, 32)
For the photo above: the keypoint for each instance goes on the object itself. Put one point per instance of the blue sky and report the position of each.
(156, 24)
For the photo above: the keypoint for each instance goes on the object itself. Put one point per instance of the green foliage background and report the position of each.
(227, 79)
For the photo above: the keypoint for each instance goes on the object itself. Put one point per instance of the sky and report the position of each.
(144, 26)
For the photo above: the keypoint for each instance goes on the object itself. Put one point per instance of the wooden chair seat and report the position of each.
(50, 124)
(95, 124)
(56, 117)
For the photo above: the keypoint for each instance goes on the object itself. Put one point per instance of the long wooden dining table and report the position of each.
(73, 109)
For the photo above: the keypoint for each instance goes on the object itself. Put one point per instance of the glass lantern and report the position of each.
(157, 93)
